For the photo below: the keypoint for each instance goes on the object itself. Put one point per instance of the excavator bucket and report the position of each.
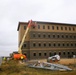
(32, 23)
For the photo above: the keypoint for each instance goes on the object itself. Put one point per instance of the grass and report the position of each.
(15, 68)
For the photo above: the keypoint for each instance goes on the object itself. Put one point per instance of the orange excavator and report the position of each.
(19, 55)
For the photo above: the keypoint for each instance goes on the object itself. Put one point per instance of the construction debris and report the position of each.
(49, 66)
(54, 58)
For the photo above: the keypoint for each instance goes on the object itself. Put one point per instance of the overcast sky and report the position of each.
(13, 11)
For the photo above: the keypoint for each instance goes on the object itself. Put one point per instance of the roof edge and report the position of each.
(21, 23)
(54, 23)
(44, 22)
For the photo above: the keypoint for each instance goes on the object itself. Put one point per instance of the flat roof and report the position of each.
(43, 22)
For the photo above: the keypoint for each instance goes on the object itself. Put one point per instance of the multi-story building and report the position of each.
(47, 39)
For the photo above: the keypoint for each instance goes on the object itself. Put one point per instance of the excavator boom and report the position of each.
(31, 23)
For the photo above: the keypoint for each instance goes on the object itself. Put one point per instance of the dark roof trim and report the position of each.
(21, 23)
(54, 23)
(41, 22)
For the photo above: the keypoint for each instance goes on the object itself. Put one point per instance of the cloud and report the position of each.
(13, 11)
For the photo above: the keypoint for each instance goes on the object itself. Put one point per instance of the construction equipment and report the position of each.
(54, 58)
(49, 66)
(31, 23)
(19, 56)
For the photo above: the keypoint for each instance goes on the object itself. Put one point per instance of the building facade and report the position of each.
(47, 39)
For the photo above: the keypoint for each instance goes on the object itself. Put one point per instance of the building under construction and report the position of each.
(47, 39)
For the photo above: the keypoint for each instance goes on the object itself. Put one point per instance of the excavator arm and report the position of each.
(31, 23)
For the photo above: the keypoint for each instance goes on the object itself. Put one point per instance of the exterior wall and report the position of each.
(47, 39)
(39, 54)
(25, 47)
(21, 32)
(54, 28)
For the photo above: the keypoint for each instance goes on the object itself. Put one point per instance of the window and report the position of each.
(34, 54)
(50, 54)
(59, 53)
(53, 27)
(58, 36)
(48, 27)
(54, 53)
(38, 26)
(44, 54)
(49, 44)
(61, 28)
(34, 44)
(69, 28)
(67, 44)
(73, 29)
(63, 53)
(39, 35)
(70, 36)
(33, 27)
(71, 44)
(54, 44)
(73, 53)
(24, 45)
(44, 35)
(65, 28)
(53, 36)
(39, 44)
(33, 35)
(62, 36)
(57, 28)
(74, 36)
(25, 54)
(63, 44)
(24, 27)
(49, 36)
(39, 54)
(66, 36)
(58, 44)
(44, 44)
(68, 53)
(43, 27)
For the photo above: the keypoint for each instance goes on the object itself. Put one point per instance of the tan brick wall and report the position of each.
(59, 29)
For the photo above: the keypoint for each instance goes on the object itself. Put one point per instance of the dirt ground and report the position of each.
(68, 61)
(63, 61)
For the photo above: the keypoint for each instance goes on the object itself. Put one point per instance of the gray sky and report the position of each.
(13, 11)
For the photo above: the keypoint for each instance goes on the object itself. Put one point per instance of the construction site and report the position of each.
(44, 48)
(45, 39)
